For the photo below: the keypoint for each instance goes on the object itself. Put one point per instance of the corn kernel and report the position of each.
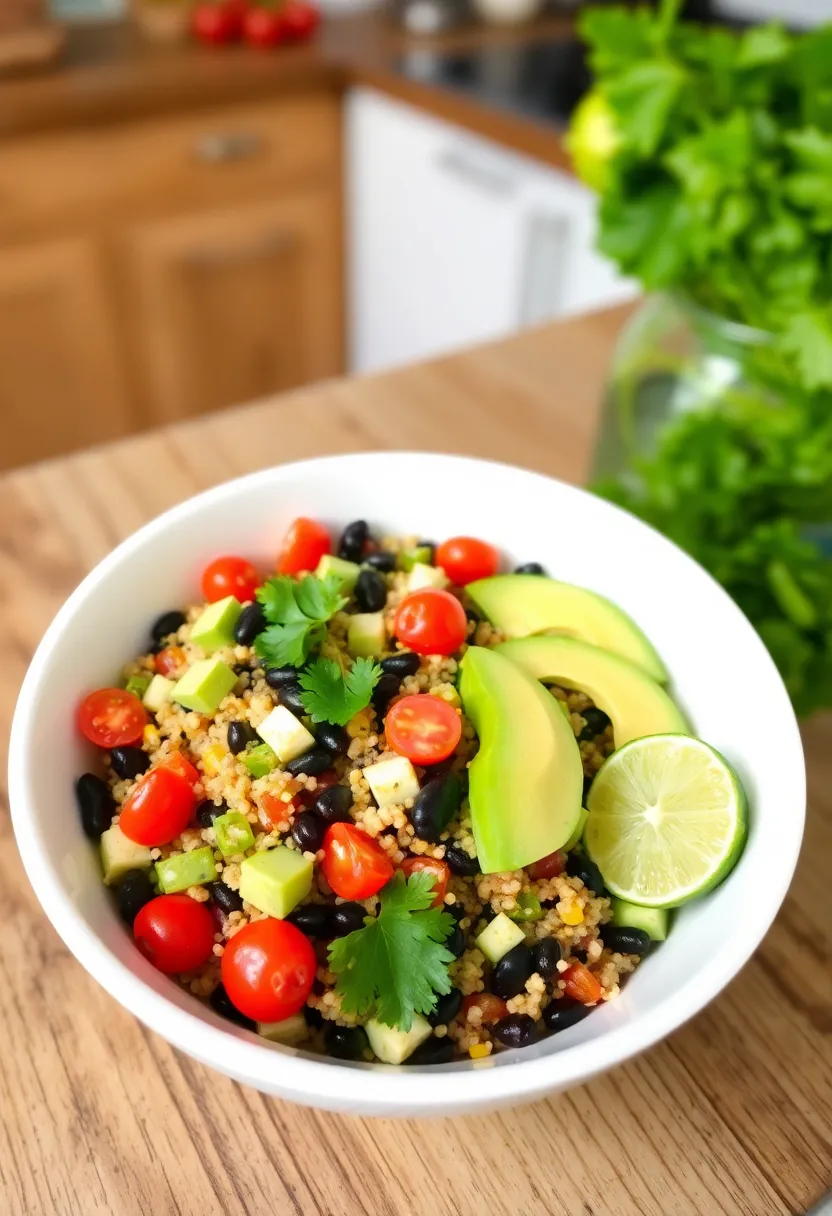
(151, 737)
(574, 915)
(479, 1050)
(212, 759)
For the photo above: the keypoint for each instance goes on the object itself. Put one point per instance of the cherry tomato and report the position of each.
(465, 559)
(493, 1007)
(169, 659)
(354, 865)
(229, 576)
(217, 24)
(158, 808)
(263, 27)
(549, 866)
(424, 728)
(178, 763)
(299, 20)
(268, 969)
(175, 933)
(112, 717)
(581, 985)
(431, 621)
(307, 541)
(429, 865)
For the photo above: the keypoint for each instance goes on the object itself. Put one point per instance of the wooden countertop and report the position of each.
(732, 1115)
(111, 73)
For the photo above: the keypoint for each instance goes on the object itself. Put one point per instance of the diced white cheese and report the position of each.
(392, 780)
(157, 693)
(285, 734)
(393, 1046)
(426, 576)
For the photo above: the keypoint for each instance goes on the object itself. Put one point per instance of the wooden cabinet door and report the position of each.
(61, 379)
(235, 304)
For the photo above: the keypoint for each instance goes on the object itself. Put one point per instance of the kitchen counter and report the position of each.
(98, 1117)
(111, 73)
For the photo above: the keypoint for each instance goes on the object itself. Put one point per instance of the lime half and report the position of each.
(667, 820)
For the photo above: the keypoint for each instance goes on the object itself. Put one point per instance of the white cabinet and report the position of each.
(453, 240)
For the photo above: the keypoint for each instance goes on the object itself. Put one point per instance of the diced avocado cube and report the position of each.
(420, 556)
(234, 834)
(498, 937)
(347, 572)
(579, 830)
(204, 685)
(157, 693)
(215, 628)
(186, 870)
(393, 1046)
(276, 880)
(528, 908)
(120, 854)
(426, 576)
(392, 781)
(654, 921)
(285, 734)
(259, 760)
(366, 634)
(289, 1032)
(138, 683)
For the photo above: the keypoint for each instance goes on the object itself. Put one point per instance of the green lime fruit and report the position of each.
(593, 140)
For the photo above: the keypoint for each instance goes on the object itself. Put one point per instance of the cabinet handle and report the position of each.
(222, 147)
(474, 173)
(210, 259)
(544, 266)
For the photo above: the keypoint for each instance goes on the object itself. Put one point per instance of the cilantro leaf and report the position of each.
(277, 596)
(297, 614)
(320, 598)
(397, 964)
(329, 695)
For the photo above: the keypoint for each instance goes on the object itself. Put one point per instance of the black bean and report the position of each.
(333, 804)
(529, 568)
(226, 898)
(455, 942)
(221, 1003)
(517, 1030)
(334, 738)
(207, 812)
(561, 1014)
(353, 539)
(578, 865)
(291, 697)
(435, 806)
(312, 919)
(403, 663)
(472, 616)
(579, 953)
(596, 723)
(432, 1051)
(134, 890)
(314, 762)
(383, 560)
(166, 624)
(242, 669)
(312, 1017)
(511, 972)
(624, 940)
(129, 762)
(239, 735)
(346, 918)
(455, 910)
(345, 1042)
(460, 863)
(250, 622)
(370, 591)
(447, 1007)
(95, 803)
(384, 691)
(546, 954)
(308, 832)
(277, 677)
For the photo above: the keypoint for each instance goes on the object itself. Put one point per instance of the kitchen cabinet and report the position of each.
(454, 240)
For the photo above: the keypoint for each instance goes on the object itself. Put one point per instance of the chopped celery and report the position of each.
(234, 834)
(138, 683)
(409, 558)
(528, 907)
(259, 760)
(186, 870)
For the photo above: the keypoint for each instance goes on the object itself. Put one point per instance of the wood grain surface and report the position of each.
(732, 1114)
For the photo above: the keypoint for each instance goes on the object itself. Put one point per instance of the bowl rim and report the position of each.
(464, 1085)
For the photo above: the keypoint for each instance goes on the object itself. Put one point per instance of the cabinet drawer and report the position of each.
(207, 156)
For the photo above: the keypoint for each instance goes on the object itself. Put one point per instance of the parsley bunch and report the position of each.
(297, 613)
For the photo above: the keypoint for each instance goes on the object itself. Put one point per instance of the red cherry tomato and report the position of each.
(168, 660)
(299, 20)
(581, 985)
(263, 27)
(429, 865)
(112, 717)
(305, 543)
(268, 969)
(158, 808)
(465, 559)
(229, 576)
(354, 865)
(493, 1007)
(175, 933)
(217, 24)
(431, 621)
(424, 728)
(549, 866)
(177, 763)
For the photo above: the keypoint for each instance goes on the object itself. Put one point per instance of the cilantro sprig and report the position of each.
(297, 613)
(397, 965)
(330, 695)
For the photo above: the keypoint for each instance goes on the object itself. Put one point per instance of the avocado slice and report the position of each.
(393, 1046)
(366, 634)
(215, 628)
(347, 572)
(204, 685)
(120, 854)
(522, 604)
(276, 880)
(635, 704)
(526, 781)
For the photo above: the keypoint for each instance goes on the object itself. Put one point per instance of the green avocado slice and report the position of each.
(526, 781)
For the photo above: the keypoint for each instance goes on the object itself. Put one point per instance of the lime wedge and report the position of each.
(667, 820)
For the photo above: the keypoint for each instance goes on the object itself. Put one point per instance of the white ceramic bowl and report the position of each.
(721, 674)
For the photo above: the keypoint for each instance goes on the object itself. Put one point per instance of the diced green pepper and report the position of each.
(259, 760)
(528, 907)
(234, 834)
(414, 557)
(186, 870)
(138, 683)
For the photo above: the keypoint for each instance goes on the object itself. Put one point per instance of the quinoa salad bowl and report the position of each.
(406, 784)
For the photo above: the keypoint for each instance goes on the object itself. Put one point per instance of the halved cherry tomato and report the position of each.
(178, 763)
(268, 969)
(581, 985)
(263, 27)
(305, 544)
(169, 659)
(429, 865)
(549, 866)
(354, 865)
(112, 717)
(158, 808)
(229, 576)
(493, 1007)
(465, 559)
(299, 20)
(431, 621)
(424, 728)
(217, 23)
(175, 932)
